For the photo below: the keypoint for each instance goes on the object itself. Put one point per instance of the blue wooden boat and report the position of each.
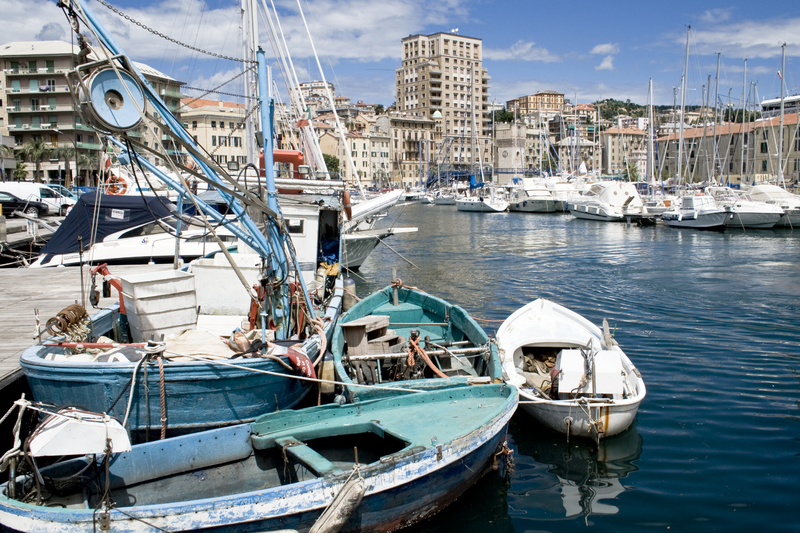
(372, 342)
(198, 394)
(374, 458)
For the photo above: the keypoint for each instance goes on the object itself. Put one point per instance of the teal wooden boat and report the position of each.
(370, 466)
(402, 338)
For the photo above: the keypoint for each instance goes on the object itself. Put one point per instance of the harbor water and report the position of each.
(712, 321)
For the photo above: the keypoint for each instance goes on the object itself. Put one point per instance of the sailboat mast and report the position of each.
(683, 106)
(250, 45)
(650, 173)
(744, 119)
(780, 133)
(716, 119)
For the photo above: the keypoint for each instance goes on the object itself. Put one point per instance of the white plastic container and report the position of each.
(159, 303)
(219, 290)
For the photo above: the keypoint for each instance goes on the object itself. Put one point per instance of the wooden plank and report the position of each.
(370, 322)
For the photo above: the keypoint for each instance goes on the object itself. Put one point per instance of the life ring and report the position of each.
(348, 209)
(116, 185)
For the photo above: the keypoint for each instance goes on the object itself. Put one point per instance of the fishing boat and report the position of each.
(572, 377)
(155, 360)
(367, 466)
(698, 211)
(401, 337)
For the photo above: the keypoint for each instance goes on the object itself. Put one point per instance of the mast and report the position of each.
(249, 45)
(716, 119)
(781, 179)
(683, 106)
(650, 173)
(742, 168)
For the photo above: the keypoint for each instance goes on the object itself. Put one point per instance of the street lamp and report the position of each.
(75, 144)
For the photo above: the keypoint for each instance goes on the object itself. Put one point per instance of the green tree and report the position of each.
(331, 162)
(67, 154)
(379, 109)
(501, 115)
(89, 161)
(20, 172)
(36, 150)
(5, 152)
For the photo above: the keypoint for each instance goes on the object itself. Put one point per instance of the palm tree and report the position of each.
(35, 150)
(67, 154)
(5, 151)
(20, 172)
(89, 161)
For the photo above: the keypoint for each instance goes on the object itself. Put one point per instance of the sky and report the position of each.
(587, 50)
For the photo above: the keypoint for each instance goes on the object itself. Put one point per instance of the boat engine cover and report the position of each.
(608, 372)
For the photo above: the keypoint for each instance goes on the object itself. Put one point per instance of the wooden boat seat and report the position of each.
(309, 458)
(358, 332)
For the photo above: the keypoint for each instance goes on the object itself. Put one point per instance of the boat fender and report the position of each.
(301, 362)
(342, 507)
(348, 208)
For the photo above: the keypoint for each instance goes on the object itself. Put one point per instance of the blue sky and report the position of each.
(586, 50)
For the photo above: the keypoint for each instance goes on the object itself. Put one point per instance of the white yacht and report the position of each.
(607, 201)
(790, 203)
(482, 203)
(745, 213)
(699, 211)
(531, 195)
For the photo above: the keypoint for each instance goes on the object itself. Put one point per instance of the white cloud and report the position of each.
(606, 64)
(714, 16)
(52, 31)
(752, 38)
(22, 21)
(609, 48)
(521, 51)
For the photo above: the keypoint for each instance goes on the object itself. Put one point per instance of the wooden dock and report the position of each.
(23, 290)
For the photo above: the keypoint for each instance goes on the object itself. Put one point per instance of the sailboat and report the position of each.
(153, 340)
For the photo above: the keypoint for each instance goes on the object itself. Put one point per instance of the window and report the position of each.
(194, 125)
(764, 149)
(213, 123)
(230, 125)
(213, 140)
(764, 165)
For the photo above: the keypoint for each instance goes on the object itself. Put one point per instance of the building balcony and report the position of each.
(436, 98)
(89, 146)
(435, 89)
(40, 109)
(25, 71)
(42, 89)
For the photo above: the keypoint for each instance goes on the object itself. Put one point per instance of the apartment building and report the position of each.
(442, 87)
(519, 148)
(741, 154)
(36, 103)
(539, 108)
(624, 150)
(218, 127)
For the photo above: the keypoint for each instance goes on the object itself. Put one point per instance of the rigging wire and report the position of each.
(170, 39)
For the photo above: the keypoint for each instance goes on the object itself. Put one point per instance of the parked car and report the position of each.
(39, 192)
(63, 191)
(13, 203)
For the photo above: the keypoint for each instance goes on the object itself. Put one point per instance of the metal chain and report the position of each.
(170, 39)
(214, 90)
(214, 151)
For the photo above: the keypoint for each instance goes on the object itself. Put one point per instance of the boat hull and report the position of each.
(358, 246)
(401, 489)
(709, 221)
(554, 414)
(595, 212)
(535, 206)
(480, 205)
(748, 220)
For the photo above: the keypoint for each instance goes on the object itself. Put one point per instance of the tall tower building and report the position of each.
(442, 79)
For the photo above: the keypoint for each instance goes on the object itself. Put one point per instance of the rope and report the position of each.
(301, 378)
(170, 39)
(487, 320)
(398, 283)
(162, 385)
(412, 343)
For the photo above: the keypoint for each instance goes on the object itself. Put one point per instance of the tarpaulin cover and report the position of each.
(116, 213)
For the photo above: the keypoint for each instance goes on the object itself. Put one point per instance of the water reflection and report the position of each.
(555, 480)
